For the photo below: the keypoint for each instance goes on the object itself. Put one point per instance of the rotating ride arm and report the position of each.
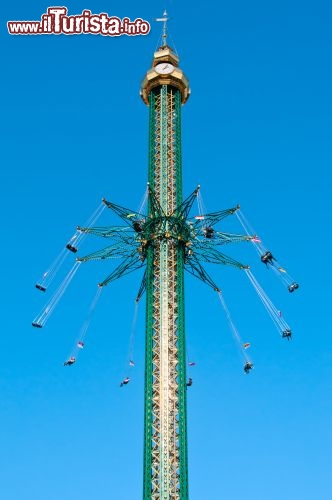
(215, 257)
(125, 214)
(114, 251)
(212, 218)
(194, 267)
(142, 287)
(130, 264)
(105, 231)
(155, 209)
(185, 207)
(221, 238)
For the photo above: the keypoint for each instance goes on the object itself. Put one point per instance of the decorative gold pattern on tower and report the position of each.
(164, 90)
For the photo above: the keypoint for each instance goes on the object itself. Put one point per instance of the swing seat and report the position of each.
(40, 287)
(71, 248)
(208, 232)
(137, 227)
(293, 287)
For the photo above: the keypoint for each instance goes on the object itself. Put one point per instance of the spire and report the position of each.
(164, 20)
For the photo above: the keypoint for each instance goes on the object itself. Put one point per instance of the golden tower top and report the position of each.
(165, 70)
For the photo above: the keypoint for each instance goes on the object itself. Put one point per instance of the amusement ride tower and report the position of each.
(165, 89)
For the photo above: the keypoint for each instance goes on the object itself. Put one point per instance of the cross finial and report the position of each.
(164, 20)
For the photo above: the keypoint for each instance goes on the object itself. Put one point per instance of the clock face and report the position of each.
(164, 68)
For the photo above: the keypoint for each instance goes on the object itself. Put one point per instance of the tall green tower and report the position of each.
(165, 89)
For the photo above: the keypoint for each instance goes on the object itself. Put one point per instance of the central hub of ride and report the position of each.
(172, 229)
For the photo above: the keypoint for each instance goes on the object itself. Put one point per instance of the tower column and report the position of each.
(165, 444)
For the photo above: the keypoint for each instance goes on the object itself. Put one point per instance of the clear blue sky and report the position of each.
(256, 131)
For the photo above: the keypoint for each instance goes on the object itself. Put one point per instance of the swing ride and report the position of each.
(164, 238)
(199, 240)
